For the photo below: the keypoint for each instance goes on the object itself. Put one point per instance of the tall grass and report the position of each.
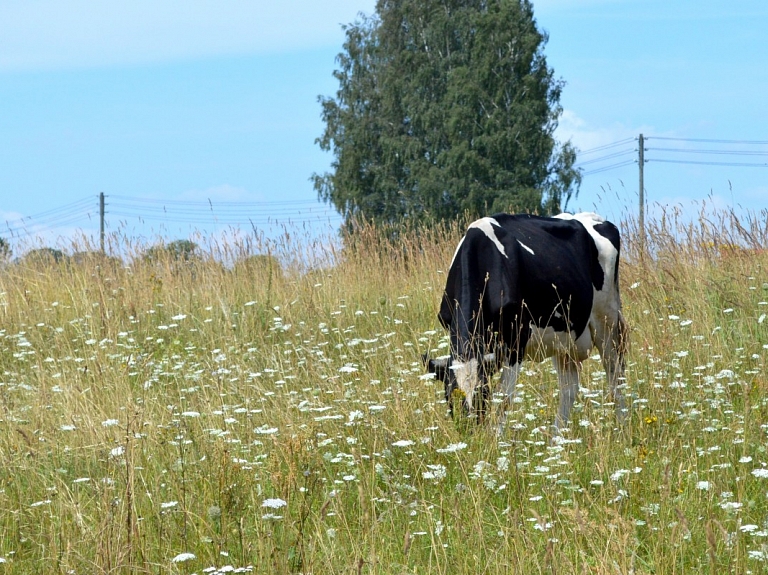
(189, 417)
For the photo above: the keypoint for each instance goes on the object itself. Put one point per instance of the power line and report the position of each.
(51, 219)
(209, 203)
(673, 150)
(737, 164)
(241, 222)
(709, 140)
(611, 167)
(716, 152)
(607, 146)
(233, 211)
(79, 204)
(608, 157)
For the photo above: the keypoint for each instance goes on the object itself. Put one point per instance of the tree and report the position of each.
(44, 256)
(445, 106)
(177, 250)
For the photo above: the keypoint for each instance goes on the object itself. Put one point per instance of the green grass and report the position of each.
(151, 411)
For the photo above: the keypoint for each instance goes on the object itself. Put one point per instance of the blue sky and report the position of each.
(186, 102)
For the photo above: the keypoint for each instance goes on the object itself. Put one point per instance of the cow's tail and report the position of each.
(620, 344)
(621, 337)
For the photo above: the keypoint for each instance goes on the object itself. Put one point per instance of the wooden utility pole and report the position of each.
(101, 220)
(641, 163)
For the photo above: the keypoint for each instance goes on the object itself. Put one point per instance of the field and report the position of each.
(172, 416)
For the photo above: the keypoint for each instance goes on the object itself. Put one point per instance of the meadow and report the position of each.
(184, 416)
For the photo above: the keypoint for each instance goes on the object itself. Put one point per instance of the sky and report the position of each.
(201, 116)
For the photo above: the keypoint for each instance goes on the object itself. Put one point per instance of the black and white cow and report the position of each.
(523, 286)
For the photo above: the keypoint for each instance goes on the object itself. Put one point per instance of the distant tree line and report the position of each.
(177, 252)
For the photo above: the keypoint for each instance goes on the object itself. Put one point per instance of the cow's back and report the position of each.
(512, 270)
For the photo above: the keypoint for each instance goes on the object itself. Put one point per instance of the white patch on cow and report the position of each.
(526, 248)
(485, 225)
(606, 252)
(606, 302)
(456, 252)
(582, 217)
(467, 377)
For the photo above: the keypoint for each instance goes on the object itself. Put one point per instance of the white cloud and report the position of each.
(9, 218)
(49, 34)
(586, 137)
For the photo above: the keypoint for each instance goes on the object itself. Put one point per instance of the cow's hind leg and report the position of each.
(611, 340)
(568, 378)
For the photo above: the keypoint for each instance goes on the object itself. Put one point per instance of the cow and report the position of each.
(524, 286)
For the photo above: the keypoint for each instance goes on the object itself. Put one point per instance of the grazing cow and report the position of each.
(523, 286)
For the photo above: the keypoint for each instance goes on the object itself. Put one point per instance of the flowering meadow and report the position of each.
(189, 416)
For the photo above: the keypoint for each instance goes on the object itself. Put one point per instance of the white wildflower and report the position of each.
(182, 557)
(436, 472)
(619, 474)
(403, 443)
(758, 554)
(453, 447)
(355, 414)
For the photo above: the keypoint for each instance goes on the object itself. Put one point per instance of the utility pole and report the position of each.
(641, 163)
(101, 220)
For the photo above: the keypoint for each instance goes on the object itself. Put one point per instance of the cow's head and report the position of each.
(465, 381)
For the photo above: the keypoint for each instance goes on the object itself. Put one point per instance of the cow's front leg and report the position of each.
(568, 378)
(509, 376)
